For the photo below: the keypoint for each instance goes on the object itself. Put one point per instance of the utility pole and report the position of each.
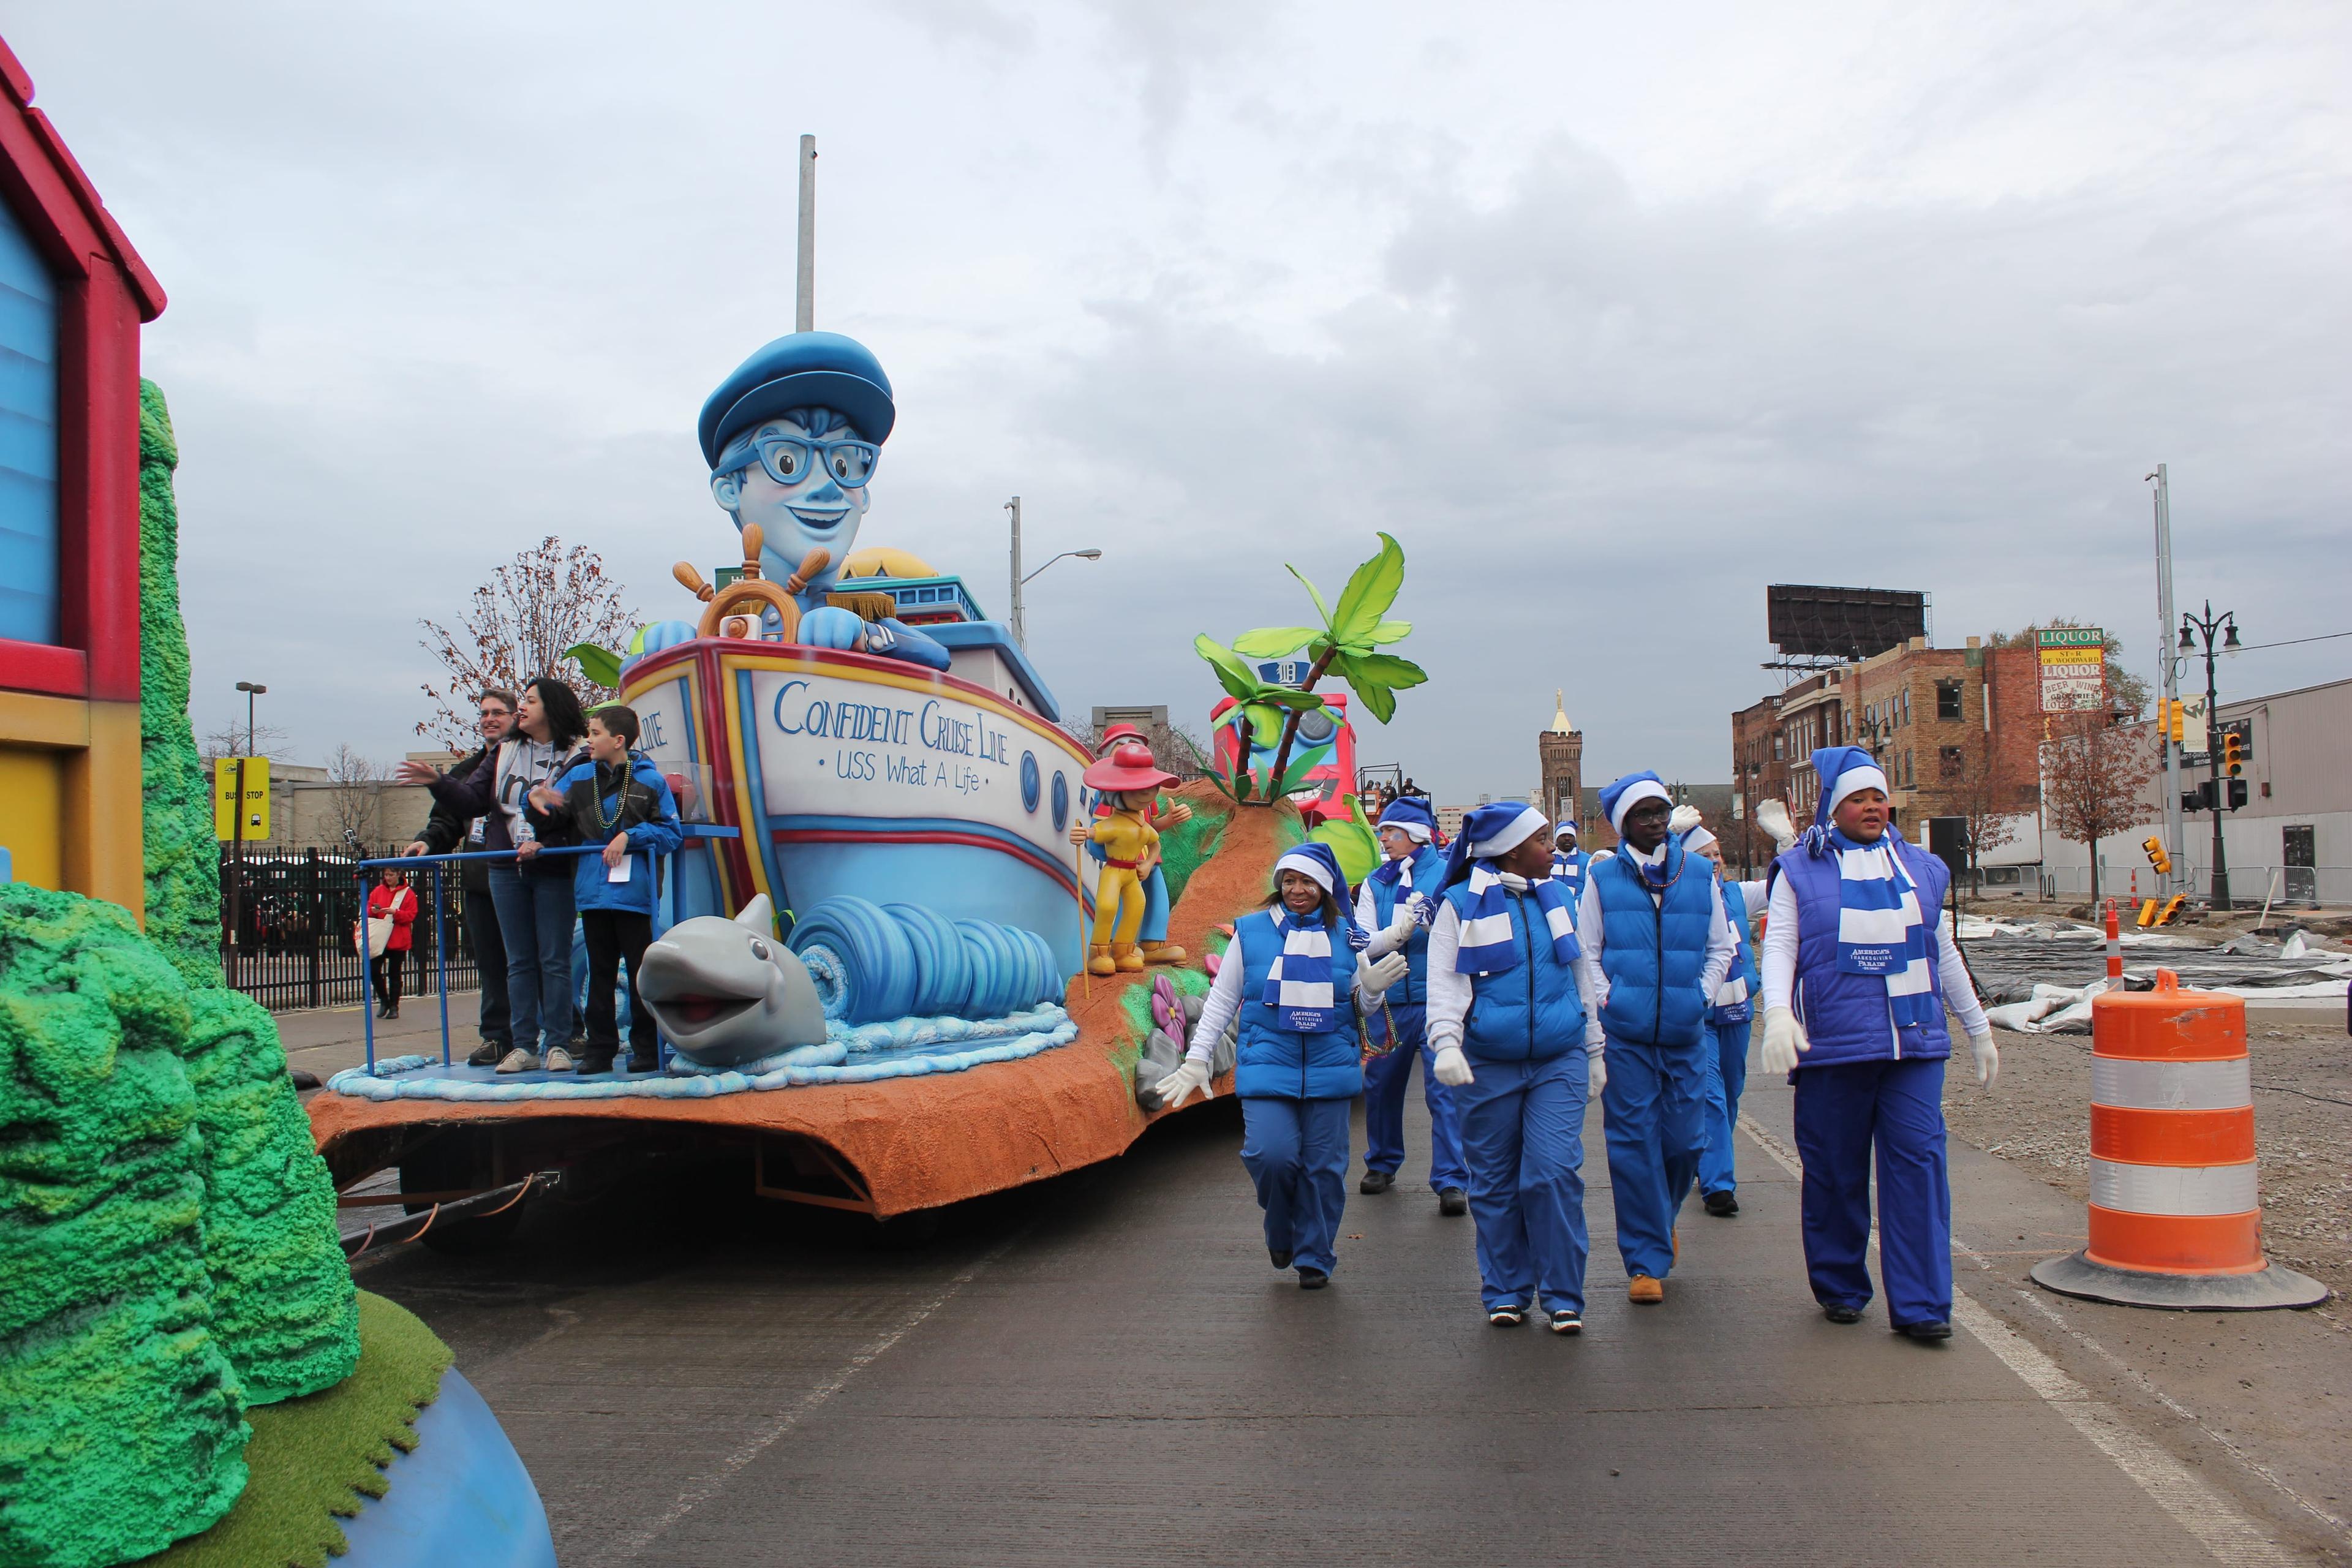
(251, 691)
(1020, 626)
(805, 292)
(2169, 670)
(2207, 625)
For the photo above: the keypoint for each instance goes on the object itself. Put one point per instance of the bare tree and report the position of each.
(2094, 778)
(231, 741)
(356, 791)
(515, 629)
(1988, 812)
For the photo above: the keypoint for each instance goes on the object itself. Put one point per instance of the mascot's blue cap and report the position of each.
(822, 370)
(1409, 813)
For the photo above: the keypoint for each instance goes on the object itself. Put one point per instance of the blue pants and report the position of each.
(535, 918)
(1655, 1107)
(1727, 1081)
(1384, 1086)
(1296, 1151)
(1843, 1111)
(1155, 907)
(1523, 1130)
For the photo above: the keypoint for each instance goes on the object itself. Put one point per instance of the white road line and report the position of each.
(2227, 1533)
(711, 1485)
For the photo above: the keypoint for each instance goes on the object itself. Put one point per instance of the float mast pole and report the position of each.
(804, 291)
(2169, 667)
(1020, 621)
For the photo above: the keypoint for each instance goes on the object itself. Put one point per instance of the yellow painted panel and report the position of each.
(105, 837)
(254, 772)
(42, 721)
(32, 814)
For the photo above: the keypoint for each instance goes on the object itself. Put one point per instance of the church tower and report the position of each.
(1560, 751)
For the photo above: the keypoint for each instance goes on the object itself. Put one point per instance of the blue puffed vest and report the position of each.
(1285, 1064)
(1569, 869)
(1845, 1015)
(1743, 962)
(1428, 872)
(1655, 952)
(1531, 1012)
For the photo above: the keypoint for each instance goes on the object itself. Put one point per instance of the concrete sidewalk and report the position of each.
(328, 1039)
(1105, 1369)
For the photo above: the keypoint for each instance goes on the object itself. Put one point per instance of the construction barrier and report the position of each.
(2114, 943)
(2176, 1218)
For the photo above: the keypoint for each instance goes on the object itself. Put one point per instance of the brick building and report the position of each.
(1560, 752)
(1959, 732)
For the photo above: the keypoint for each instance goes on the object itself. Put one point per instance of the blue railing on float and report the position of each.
(694, 832)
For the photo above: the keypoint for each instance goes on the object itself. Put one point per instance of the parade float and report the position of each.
(188, 1375)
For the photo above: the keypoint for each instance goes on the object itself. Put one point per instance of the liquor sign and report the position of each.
(2074, 669)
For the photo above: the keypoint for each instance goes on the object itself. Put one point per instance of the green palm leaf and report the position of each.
(1321, 609)
(1240, 681)
(1371, 590)
(1273, 642)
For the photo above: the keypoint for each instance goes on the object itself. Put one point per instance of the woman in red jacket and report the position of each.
(390, 899)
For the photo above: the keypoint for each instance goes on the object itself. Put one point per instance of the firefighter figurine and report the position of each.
(1130, 782)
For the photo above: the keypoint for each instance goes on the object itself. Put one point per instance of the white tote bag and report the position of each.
(379, 932)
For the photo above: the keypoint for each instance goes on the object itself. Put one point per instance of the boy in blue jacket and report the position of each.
(619, 799)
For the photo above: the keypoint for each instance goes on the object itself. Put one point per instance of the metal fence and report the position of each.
(2286, 887)
(288, 927)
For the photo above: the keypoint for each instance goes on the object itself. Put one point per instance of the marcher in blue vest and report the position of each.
(1396, 904)
(1292, 980)
(1653, 920)
(1508, 990)
(1568, 862)
(1728, 1021)
(1854, 991)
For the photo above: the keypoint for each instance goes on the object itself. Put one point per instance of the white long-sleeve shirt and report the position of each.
(1592, 931)
(1449, 993)
(1225, 1001)
(1779, 963)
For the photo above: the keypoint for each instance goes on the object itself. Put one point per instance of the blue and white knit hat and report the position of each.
(1625, 794)
(1489, 831)
(1316, 861)
(1842, 771)
(1413, 817)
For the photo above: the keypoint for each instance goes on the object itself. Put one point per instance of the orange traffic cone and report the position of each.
(2175, 1218)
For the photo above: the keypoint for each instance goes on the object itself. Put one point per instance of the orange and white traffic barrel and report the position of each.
(2175, 1217)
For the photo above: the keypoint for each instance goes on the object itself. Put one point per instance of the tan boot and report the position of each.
(1130, 957)
(1099, 961)
(1162, 952)
(1644, 1291)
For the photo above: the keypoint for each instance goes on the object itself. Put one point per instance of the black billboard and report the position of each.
(1805, 620)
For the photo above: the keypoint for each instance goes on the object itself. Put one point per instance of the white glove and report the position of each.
(1988, 1056)
(1452, 1067)
(1400, 924)
(1596, 1066)
(1783, 1040)
(1772, 817)
(1683, 820)
(1382, 973)
(1178, 1086)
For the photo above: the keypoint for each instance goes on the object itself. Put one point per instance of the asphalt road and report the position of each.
(1104, 1369)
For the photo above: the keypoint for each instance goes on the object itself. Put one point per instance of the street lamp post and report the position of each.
(236, 832)
(251, 691)
(2205, 625)
(1019, 618)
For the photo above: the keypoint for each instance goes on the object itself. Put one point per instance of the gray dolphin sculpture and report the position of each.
(727, 991)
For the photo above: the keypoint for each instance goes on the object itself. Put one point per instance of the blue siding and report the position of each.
(29, 439)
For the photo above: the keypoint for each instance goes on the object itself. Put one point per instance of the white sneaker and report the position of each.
(519, 1059)
(558, 1059)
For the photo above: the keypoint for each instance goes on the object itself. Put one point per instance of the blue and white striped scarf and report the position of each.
(1881, 929)
(1299, 982)
(1485, 946)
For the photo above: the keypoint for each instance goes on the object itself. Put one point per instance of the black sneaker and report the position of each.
(586, 1065)
(1926, 1332)
(1312, 1279)
(1843, 1314)
(1507, 1317)
(645, 1064)
(1453, 1202)
(1280, 1257)
(1566, 1323)
(487, 1054)
(1722, 1205)
(1376, 1183)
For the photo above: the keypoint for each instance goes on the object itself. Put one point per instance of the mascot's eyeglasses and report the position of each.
(788, 459)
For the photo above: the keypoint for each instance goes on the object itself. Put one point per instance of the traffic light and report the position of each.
(2157, 855)
(2237, 788)
(2233, 753)
(2176, 722)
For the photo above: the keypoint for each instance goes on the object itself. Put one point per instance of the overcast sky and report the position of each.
(1612, 318)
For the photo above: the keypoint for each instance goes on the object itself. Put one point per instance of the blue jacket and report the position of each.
(1567, 871)
(1743, 962)
(1845, 1015)
(1530, 1012)
(603, 803)
(1428, 872)
(1655, 952)
(1276, 1063)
